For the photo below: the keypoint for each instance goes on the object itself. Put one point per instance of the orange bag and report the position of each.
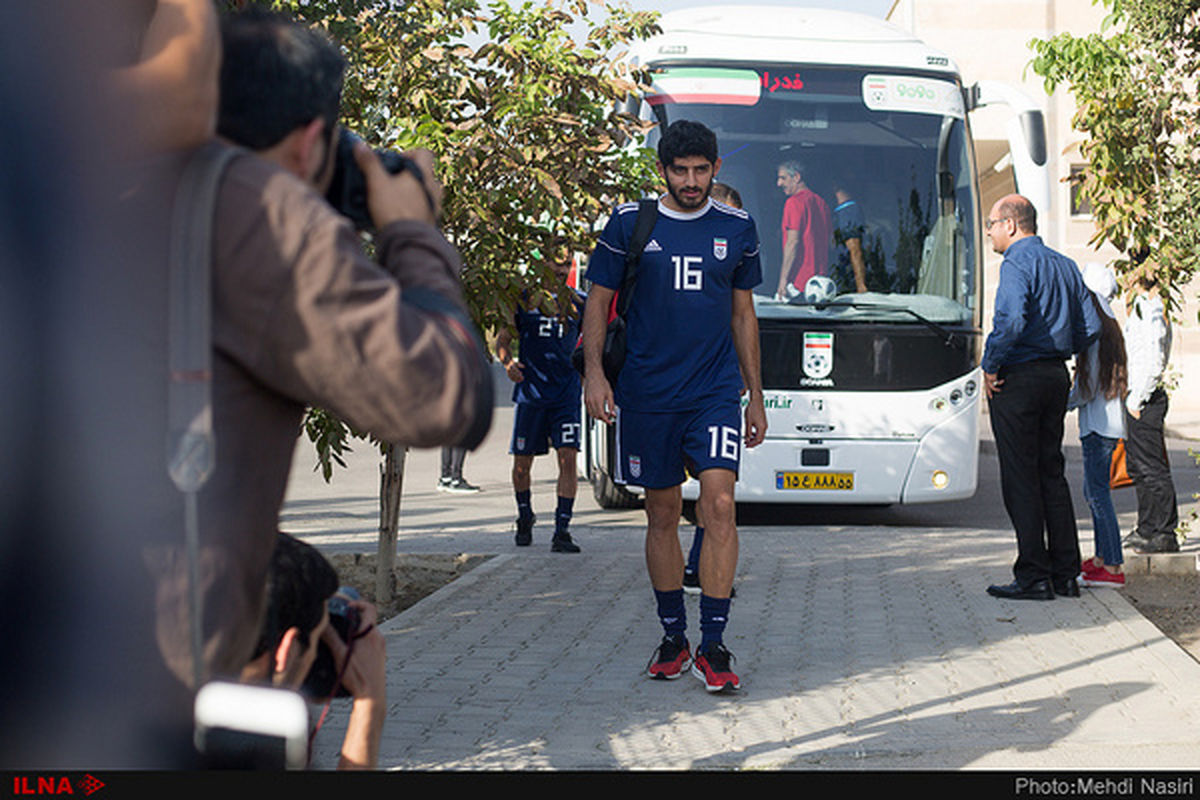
(1118, 476)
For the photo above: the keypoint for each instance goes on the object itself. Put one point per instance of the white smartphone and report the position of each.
(251, 727)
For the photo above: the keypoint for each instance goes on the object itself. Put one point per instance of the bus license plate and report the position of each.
(835, 481)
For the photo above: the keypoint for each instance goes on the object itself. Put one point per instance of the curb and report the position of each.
(1162, 563)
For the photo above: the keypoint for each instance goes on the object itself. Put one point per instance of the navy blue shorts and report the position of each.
(538, 428)
(659, 450)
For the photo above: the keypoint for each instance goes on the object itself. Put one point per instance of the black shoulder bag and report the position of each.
(613, 356)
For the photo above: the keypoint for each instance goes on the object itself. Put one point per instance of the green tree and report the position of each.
(522, 106)
(1135, 86)
(1135, 90)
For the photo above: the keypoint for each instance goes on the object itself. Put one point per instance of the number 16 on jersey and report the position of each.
(689, 276)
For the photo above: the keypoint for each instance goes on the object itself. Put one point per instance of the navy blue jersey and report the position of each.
(848, 223)
(546, 342)
(680, 352)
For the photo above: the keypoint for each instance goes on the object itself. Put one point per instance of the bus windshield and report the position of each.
(895, 145)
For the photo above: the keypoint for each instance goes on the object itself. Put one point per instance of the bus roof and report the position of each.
(788, 35)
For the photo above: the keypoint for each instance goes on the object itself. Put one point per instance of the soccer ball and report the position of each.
(820, 289)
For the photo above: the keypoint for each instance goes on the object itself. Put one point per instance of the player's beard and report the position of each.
(689, 202)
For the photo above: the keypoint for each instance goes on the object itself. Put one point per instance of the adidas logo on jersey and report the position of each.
(653, 247)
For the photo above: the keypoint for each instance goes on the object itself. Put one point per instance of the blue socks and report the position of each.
(562, 514)
(714, 613)
(671, 612)
(524, 504)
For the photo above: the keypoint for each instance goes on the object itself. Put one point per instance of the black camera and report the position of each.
(322, 678)
(348, 190)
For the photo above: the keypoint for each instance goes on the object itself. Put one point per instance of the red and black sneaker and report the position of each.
(712, 666)
(670, 659)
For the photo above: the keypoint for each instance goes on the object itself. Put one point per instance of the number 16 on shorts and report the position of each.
(724, 442)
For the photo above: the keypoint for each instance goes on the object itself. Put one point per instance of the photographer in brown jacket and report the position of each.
(302, 316)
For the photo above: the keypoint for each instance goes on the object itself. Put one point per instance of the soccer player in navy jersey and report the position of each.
(546, 400)
(692, 339)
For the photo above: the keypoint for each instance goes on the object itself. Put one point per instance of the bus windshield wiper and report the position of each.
(948, 337)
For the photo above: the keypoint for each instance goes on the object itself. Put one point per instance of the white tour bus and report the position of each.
(871, 398)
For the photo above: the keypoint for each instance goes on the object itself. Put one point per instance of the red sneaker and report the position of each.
(670, 659)
(1090, 567)
(713, 668)
(1103, 577)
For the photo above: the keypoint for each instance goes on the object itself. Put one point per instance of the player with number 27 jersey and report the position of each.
(546, 344)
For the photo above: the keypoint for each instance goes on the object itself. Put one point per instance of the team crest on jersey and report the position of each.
(720, 249)
(635, 466)
(520, 443)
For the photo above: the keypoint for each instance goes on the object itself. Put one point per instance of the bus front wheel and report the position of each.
(610, 495)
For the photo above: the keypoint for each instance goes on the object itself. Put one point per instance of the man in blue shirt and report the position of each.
(676, 405)
(546, 404)
(1043, 315)
(848, 229)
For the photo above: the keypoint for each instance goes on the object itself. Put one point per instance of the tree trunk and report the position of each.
(391, 484)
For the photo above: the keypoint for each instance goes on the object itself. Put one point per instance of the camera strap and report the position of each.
(191, 444)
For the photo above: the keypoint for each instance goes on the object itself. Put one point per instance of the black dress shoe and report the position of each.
(1162, 543)
(1038, 590)
(1135, 539)
(1067, 588)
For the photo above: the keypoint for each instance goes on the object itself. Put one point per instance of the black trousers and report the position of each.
(1027, 422)
(452, 462)
(1146, 460)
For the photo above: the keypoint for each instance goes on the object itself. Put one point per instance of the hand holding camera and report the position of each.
(407, 193)
(361, 656)
(373, 188)
(361, 659)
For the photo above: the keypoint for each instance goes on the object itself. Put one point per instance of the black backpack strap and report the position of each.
(647, 216)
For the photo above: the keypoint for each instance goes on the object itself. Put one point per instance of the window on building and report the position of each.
(1080, 205)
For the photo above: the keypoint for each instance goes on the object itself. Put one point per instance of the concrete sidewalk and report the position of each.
(870, 650)
(860, 647)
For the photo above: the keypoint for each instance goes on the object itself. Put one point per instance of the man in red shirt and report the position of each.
(807, 231)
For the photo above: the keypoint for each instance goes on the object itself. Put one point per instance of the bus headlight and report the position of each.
(940, 479)
(938, 404)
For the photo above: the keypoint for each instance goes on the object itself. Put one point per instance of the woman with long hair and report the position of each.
(1098, 392)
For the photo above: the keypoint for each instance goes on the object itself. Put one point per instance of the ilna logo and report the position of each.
(50, 784)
